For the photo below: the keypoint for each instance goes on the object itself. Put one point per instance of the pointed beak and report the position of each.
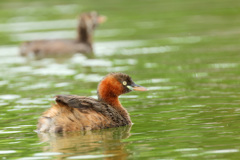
(137, 87)
(101, 19)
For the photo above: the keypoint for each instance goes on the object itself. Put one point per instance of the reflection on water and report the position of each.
(148, 50)
(55, 69)
(7, 151)
(162, 88)
(108, 141)
(9, 96)
(110, 48)
(192, 39)
(43, 25)
(89, 77)
(225, 65)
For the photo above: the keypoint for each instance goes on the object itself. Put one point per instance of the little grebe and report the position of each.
(82, 44)
(74, 113)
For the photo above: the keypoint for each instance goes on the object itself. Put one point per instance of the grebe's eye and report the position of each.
(124, 83)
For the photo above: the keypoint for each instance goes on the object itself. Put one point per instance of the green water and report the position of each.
(185, 52)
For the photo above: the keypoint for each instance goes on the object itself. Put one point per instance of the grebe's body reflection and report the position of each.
(107, 143)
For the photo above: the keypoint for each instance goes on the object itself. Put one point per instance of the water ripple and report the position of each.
(151, 65)
(7, 151)
(8, 51)
(9, 96)
(117, 69)
(110, 48)
(3, 103)
(224, 65)
(125, 61)
(129, 96)
(88, 77)
(148, 50)
(42, 25)
(30, 101)
(199, 75)
(11, 60)
(154, 80)
(161, 88)
(64, 84)
(90, 156)
(55, 69)
(83, 61)
(222, 151)
(33, 158)
(47, 154)
(2, 83)
(191, 39)
(36, 86)
(186, 149)
(97, 62)
(7, 132)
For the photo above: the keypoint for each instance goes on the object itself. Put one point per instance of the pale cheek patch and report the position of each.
(130, 87)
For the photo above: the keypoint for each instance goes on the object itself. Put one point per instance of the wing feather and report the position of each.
(80, 102)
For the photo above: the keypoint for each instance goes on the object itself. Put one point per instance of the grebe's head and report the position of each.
(90, 20)
(115, 84)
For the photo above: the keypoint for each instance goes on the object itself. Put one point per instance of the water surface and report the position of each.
(186, 53)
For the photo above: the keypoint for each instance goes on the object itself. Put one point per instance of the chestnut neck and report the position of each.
(85, 32)
(108, 91)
